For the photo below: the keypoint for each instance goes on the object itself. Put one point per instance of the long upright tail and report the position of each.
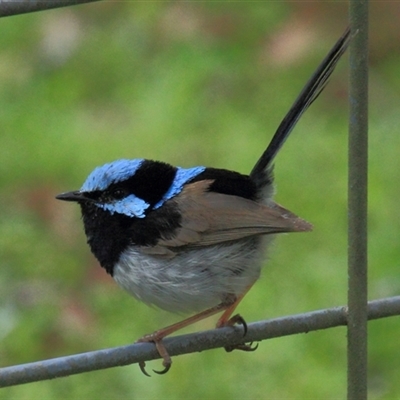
(262, 171)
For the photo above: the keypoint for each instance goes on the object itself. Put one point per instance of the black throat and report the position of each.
(109, 235)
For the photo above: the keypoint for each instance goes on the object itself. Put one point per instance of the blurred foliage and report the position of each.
(189, 83)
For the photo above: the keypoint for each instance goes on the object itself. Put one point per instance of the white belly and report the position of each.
(193, 280)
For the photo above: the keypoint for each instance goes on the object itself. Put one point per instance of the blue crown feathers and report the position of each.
(133, 206)
(102, 177)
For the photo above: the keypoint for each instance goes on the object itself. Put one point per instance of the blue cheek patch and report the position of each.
(183, 175)
(114, 172)
(131, 206)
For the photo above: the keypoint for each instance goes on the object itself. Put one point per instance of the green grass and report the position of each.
(190, 84)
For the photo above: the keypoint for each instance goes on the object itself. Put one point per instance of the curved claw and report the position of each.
(253, 348)
(164, 371)
(142, 366)
(248, 347)
(243, 347)
(238, 319)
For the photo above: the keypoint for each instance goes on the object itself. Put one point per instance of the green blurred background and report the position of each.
(190, 83)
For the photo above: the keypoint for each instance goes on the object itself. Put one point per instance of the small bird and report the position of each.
(191, 240)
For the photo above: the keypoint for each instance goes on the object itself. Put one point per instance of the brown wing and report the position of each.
(210, 218)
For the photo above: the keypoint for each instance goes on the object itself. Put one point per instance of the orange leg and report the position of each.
(225, 320)
(157, 336)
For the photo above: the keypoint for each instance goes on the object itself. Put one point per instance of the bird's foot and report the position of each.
(237, 319)
(162, 351)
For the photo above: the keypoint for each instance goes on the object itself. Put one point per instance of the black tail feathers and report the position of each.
(262, 171)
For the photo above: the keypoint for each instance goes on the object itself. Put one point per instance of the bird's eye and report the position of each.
(118, 193)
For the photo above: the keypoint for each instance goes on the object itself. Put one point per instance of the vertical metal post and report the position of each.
(357, 350)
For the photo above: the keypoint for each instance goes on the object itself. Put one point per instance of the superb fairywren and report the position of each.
(191, 239)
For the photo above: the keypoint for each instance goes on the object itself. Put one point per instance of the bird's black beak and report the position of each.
(72, 196)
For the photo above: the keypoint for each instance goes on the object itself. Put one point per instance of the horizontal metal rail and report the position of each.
(195, 342)
(16, 7)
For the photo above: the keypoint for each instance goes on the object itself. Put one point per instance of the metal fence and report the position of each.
(355, 315)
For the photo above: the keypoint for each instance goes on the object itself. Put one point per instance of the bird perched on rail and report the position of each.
(191, 239)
